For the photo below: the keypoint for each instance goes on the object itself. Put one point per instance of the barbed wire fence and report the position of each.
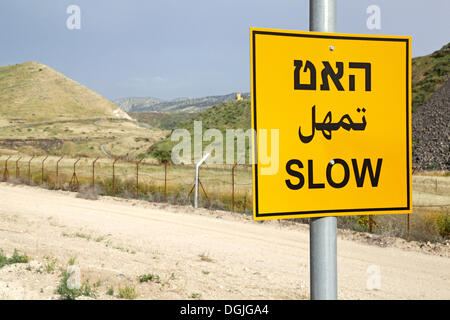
(224, 187)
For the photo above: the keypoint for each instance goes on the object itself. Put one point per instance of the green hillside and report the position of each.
(428, 74)
(162, 120)
(232, 114)
(229, 115)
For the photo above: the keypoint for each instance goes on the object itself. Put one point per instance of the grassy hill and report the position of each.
(44, 112)
(32, 92)
(428, 74)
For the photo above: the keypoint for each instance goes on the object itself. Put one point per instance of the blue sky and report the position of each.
(169, 49)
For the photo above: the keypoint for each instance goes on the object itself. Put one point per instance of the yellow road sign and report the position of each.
(331, 114)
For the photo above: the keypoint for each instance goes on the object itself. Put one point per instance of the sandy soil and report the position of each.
(196, 253)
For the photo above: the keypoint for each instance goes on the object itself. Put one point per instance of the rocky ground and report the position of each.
(431, 132)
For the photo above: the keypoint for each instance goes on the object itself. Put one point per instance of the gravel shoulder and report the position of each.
(196, 253)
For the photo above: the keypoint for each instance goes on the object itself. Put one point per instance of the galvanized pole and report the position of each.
(323, 239)
(322, 15)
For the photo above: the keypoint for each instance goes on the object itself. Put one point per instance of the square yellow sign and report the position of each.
(331, 121)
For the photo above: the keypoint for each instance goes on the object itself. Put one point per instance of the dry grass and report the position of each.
(90, 192)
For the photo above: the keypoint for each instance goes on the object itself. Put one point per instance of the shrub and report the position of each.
(443, 225)
(15, 258)
(110, 291)
(149, 277)
(128, 292)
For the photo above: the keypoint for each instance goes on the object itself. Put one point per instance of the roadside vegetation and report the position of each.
(128, 292)
(15, 258)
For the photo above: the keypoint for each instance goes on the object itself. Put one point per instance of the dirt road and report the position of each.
(196, 254)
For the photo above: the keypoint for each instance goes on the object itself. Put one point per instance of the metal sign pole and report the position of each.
(323, 239)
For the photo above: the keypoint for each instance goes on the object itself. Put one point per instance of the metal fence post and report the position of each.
(42, 170)
(29, 170)
(245, 203)
(6, 172)
(165, 181)
(93, 173)
(408, 227)
(17, 167)
(74, 180)
(232, 187)
(114, 178)
(57, 173)
(323, 238)
(137, 177)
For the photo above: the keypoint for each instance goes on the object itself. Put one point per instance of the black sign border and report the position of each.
(255, 165)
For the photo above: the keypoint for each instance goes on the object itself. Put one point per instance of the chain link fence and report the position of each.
(225, 187)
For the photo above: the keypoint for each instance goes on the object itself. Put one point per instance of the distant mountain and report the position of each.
(176, 105)
(129, 104)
